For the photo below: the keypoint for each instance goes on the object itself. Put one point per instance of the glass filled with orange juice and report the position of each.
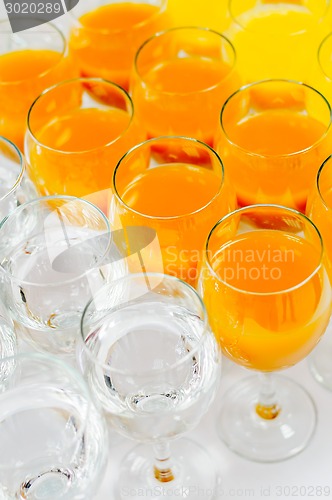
(177, 187)
(277, 38)
(30, 61)
(268, 296)
(181, 79)
(320, 75)
(212, 13)
(273, 137)
(319, 209)
(77, 132)
(105, 35)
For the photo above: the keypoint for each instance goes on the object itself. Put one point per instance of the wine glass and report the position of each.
(319, 209)
(180, 80)
(268, 296)
(16, 187)
(106, 34)
(176, 187)
(30, 61)
(77, 132)
(153, 363)
(277, 38)
(55, 252)
(273, 136)
(52, 436)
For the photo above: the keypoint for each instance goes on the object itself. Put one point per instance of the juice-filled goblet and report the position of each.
(268, 296)
(78, 131)
(273, 136)
(181, 78)
(30, 61)
(177, 187)
(106, 34)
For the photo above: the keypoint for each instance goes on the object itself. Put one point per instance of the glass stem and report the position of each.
(267, 406)
(162, 463)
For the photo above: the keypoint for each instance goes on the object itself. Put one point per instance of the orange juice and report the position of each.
(80, 150)
(181, 202)
(270, 157)
(277, 39)
(267, 306)
(188, 94)
(24, 74)
(104, 40)
(212, 14)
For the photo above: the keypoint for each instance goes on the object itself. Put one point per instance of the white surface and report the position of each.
(298, 477)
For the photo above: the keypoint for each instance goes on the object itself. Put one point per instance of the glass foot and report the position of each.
(272, 439)
(320, 360)
(194, 474)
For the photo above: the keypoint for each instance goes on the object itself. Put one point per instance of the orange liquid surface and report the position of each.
(272, 178)
(268, 328)
(182, 88)
(182, 238)
(24, 75)
(96, 140)
(106, 42)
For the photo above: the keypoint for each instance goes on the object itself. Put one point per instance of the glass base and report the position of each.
(320, 360)
(261, 440)
(194, 473)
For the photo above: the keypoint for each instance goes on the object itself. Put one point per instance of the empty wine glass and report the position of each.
(52, 253)
(52, 436)
(153, 363)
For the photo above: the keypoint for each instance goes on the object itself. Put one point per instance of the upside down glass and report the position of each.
(54, 255)
(175, 186)
(273, 136)
(154, 365)
(320, 211)
(268, 296)
(52, 436)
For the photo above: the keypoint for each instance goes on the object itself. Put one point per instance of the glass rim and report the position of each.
(114, 31)
(48, 70)
(293, 154)
(21, 162)
(321, 46)
(48, 359)
(139, 146)
(143, 276)
(45, 199)
(203, 29)
(77, 80)
(292, 34)
(318, 178)
(259, 207)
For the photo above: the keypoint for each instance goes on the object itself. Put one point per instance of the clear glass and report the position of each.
(104, 31)
(30, 61)
(15, 186)
(277, 38)
(261, 168)
(55, 253)
(52, 436)
(320, 211)
(176, 187)
(178, 73)
(153, 363)
(268, 296)
(321, 71)
(8, 341)
(63, 156)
